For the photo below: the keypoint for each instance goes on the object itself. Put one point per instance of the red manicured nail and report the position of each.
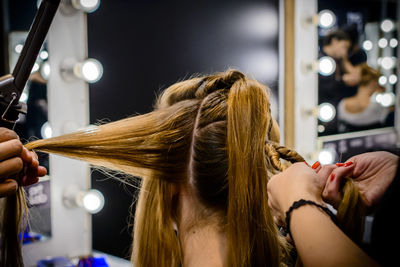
(332, 177)
(348, 163)
(306, 163)
(316, 165)
(340, 164)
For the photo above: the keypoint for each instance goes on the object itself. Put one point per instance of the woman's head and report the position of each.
(214, 134)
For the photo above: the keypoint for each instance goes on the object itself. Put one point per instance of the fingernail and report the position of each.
(316, 165)
(340, 164)
(348, 163)
(306, 163)
(332, 177)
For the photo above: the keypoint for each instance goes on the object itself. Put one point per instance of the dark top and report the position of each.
(385, 235)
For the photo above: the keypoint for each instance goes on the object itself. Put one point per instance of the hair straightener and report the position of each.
(12, 85)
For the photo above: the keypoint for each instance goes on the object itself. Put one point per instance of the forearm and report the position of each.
(319, 242)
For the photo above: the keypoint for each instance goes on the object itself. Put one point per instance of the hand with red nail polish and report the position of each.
(16, 163)
(372, 173)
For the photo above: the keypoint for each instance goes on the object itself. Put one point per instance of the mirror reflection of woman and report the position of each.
(358, 112)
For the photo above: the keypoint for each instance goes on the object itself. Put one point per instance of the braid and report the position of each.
(275, 152)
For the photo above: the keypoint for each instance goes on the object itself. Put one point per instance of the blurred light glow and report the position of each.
(93, 201)
(46, 130)
(92, 70)
(35, 67)
(385, 99)
(24, 97)
(326, 156)
(251, 23)
(388, 63)
(382, 43)
(382, 80)
(86, 5)
(368, 45)
(393, 43)
(45, 70)
(387, 25)
(321, 128)
(326, 66)
(326, 112)
(326, 18)
(44, 55)
(392, 79)
(18, 48)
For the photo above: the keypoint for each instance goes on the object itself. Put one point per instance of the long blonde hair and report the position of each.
(214, 132)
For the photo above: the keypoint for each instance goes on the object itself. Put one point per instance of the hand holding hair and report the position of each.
(319, 242)
(16, 161)
(372, 174)
(297, 182)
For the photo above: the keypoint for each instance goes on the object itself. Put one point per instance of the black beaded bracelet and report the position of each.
(303, 202)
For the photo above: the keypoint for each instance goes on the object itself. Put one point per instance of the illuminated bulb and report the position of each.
(35, 68)
(18, 48)
(326, 18)
(382, 43)
(392, 79)
(45, 70)
(44, 55)
(46, 130)
(321, 128)
(90, 70)
(326, 156)
(93, 201)
(387, 25)
(24, 97)
(379, 60)
(393, 43)
(382, 80)
(326, 66)
(367, 45)
(326, 112)
(385, 99)
(388, 63)
(86, 5)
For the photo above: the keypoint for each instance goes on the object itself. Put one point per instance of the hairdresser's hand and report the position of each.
(297, 182)
(372, 173)
(16, 162)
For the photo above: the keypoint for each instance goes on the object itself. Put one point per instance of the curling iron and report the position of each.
(12, 85)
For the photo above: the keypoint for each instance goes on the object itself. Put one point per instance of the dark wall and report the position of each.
(146, 46)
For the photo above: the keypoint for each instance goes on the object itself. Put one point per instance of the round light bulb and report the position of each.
(392, 79)
(387, 25)
(387, 99)
(18, 48)
(388, 63)
(393, 43)
(382, 80)
(326, 18)
(326, 156)
(88, 6)
(368, 45)
(93, 201)
(45, 70)
(382, 43)
(91, 70)
(44, 55)
(46, 130)
(326, 66)
(326, 112)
